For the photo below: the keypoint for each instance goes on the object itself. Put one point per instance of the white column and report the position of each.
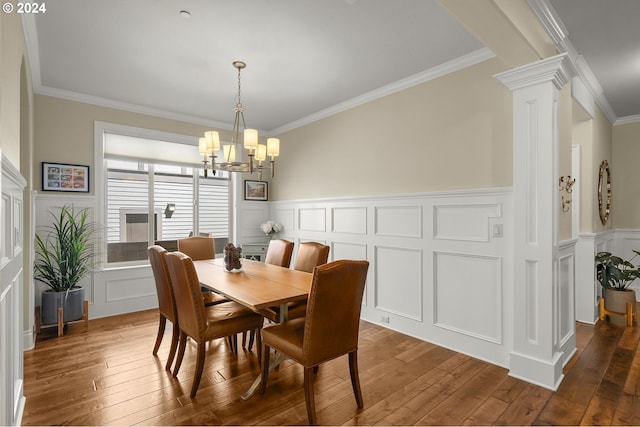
(536, 355)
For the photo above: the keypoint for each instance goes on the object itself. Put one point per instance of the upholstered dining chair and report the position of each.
(200, 323)
(200, 248)
(310, 255)
(166, 301)
(197, 247)
(279, 252)
(329, 330)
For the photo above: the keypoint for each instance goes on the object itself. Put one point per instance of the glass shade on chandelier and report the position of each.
(260, 156)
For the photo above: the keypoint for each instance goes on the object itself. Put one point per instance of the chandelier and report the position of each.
(258, 153)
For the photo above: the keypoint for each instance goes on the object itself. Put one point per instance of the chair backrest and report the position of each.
(310, 255)
(188, 297)
(333, 310)
(166, 300)
(279, 253)
(197, 247)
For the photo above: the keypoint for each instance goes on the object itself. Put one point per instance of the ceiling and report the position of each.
(305, 58)
(607, 34)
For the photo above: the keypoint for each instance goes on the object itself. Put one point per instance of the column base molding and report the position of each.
(547, 374)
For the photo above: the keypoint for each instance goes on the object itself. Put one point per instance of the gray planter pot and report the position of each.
(72, 305)
(617, 301)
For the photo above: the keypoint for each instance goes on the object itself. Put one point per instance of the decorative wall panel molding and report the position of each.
(464, 222)
(357, 251)
(12, 291)
(18, 211)
(467, 294)
(531, 292)
(398, 221)
(6, 241)
(252, 216)
(565, 297)
(398, 278)
(312, 219)
(286, 217)
(349, 220)
(345, 250)
(118, 289)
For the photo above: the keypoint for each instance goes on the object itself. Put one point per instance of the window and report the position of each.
(171, 191)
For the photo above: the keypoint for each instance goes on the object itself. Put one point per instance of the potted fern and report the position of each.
(64, 256)
(615, 276)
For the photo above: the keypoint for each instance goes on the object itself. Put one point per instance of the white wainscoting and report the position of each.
(587, 289)
(625, 242)
(565, 336)
(440, 263)
(12, 334)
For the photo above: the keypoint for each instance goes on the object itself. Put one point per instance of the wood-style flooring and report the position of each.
(108, 376)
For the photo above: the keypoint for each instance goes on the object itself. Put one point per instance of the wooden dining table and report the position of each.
(257, 286)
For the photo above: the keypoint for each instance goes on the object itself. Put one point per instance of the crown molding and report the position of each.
(627, 120)
(554, 69)
(433, 73)
(30, 32)
(125, 106)
(557, 31)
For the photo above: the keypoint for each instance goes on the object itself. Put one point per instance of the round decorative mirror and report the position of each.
(604, 192)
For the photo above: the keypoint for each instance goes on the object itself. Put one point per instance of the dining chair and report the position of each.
(200, 248)
(279, 252)
(329, 330)
(200, 323)
(310, 255)
(166, 301)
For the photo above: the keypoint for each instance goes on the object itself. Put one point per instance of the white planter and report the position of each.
(616, 301)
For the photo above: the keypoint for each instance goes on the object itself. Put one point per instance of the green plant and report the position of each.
(66, 252)
(614, 272)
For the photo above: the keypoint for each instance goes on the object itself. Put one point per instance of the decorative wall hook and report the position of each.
(566, 183)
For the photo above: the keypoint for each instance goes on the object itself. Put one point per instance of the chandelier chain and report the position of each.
(238, 99)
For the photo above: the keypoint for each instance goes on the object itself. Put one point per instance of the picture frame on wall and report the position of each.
(256, 190)
(65, 177)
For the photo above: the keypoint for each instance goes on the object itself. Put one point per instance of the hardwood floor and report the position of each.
(107, 376)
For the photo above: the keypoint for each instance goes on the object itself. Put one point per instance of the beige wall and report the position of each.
(12, 52)
(16, 130)
(602, 146)
(625, 176)
(565, 109)
(595, 138)
(583, 135)
(451, 133)
(64, 130)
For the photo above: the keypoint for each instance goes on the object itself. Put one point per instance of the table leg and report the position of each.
(279, 358)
